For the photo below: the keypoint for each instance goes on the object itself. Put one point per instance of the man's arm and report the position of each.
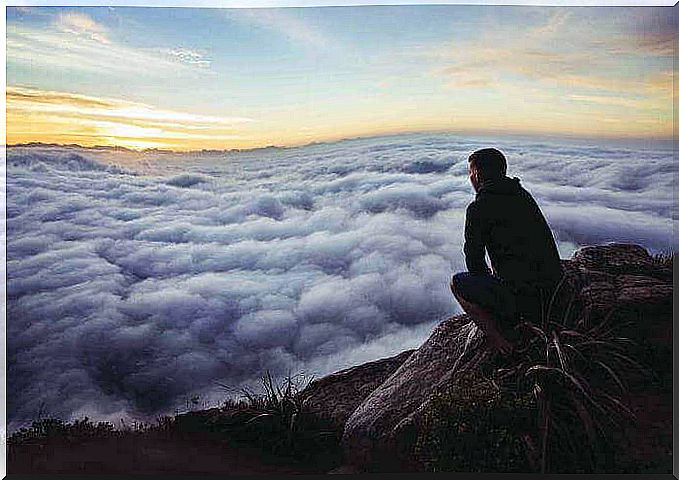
(475, 241)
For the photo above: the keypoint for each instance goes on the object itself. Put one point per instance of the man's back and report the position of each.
(505, 219)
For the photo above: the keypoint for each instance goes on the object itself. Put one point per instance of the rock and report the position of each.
(382, 432)
(598, 296)
(336, 396)
(620, 258)
(642, 290)
(383, 429)
(617, 276)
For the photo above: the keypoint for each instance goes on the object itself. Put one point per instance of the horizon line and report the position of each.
(564, 136)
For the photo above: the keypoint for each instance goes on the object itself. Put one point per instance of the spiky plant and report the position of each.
(279, 403)
(277, 417)
(664, 259)
(578, 371)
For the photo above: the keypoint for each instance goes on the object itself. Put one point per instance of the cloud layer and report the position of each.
(130, 289)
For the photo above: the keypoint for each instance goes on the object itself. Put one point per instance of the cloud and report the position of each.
(76, 42)
(94, 120)
(80, 24)
(617, 101)
(659, 44)
(563, 51)
(32, 11)
(553, 26)
(293, 27)
(653, 31)
(655, 87)
(129, 291)
(191, 57)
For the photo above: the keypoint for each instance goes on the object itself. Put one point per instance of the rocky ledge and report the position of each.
(387, 410)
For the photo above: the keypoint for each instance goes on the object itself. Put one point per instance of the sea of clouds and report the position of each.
(136, 281)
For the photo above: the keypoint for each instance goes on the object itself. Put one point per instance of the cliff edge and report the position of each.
(397, 414)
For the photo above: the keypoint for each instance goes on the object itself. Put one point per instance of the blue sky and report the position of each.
(220, 78)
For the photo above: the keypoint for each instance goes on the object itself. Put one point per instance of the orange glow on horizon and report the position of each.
(64, 118)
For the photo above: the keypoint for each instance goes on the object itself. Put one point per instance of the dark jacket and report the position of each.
(505, 220)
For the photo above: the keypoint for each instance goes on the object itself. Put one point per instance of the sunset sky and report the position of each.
(185, 79)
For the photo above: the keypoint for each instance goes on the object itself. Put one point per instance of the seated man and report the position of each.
(504, 220)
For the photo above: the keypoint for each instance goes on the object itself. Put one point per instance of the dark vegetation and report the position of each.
(271, 426)
(276, 420)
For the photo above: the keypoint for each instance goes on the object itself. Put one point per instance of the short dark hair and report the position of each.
(489, 162)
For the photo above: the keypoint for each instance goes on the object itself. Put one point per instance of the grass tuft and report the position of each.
(578, 372)
(664, 259)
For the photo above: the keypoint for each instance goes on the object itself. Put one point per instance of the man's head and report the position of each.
(486, 164)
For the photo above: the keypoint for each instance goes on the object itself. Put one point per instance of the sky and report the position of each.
(186, 79)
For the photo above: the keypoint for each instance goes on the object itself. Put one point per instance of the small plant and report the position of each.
(45, 429)
(664, 259)
(278, 419)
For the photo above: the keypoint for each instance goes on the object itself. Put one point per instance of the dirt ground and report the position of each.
(146, 455)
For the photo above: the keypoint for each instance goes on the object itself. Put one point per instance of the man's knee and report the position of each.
(457, 283)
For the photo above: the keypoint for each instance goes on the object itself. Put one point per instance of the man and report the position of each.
(505, 220)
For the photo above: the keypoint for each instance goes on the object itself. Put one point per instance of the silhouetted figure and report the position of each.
(504, 220)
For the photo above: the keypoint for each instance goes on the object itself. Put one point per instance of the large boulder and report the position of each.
(617, 276)
(383, 431)
(336, 396)
(621, 258)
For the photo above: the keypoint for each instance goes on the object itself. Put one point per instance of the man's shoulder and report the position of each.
(479, 204)
(475, 206)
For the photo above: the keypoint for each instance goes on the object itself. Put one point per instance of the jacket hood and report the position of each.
(502, 186)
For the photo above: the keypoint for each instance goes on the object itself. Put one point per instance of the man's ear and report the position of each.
(475, 176)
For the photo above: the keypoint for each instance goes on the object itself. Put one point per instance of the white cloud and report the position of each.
(80, 24)
(552, 26)
(128, 292)
(75, 42)
(617, 101)
(191, 57)
(294, 28)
